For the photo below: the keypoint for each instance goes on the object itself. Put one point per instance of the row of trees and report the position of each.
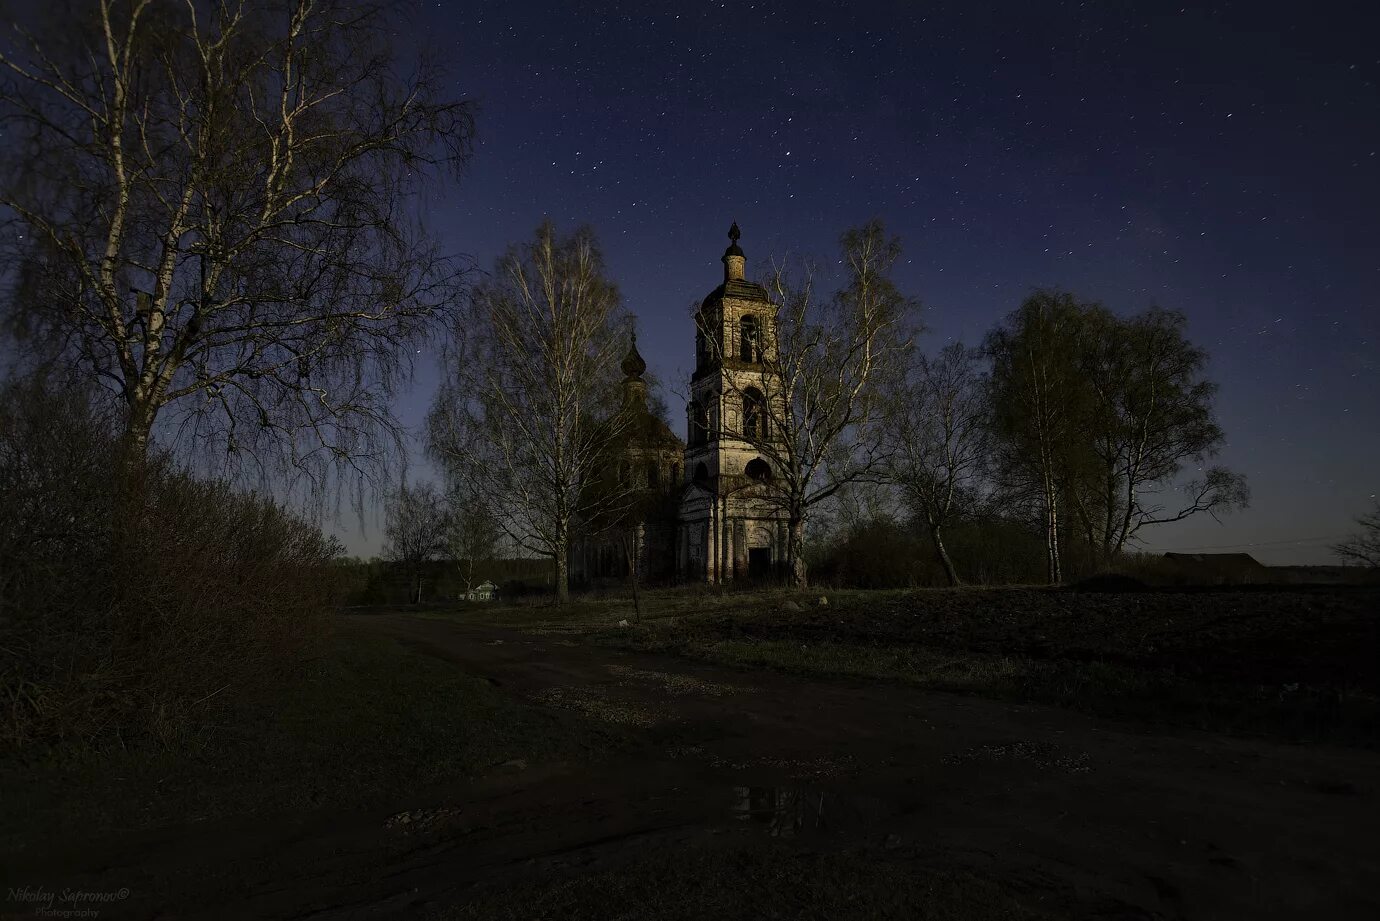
(530, 404)
(1096, 426)
(1093, 425)
(422, 524)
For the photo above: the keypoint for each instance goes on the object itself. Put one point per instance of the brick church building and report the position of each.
(707, 509)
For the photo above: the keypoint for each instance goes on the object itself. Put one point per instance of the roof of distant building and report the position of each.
(1216, 559)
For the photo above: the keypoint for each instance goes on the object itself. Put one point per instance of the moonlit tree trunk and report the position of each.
(936, 430)
(949, 571)
(631, 538)
(211, 213)
(529, 403)
(795, 551)
(1036, 406)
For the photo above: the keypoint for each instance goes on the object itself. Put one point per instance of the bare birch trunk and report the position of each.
(795, 552)
(942, 552)
(633, 548)
(1052, 535)
(562, 574)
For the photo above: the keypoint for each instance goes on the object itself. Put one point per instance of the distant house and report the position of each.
(1220, 567)
(484, 591)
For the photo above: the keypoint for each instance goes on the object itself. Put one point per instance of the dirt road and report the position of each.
(1083, 815)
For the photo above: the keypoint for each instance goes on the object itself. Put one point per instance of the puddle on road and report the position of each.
(799, 769)
(1041, 754)
(672, 683)
(792, 811)
(422, 820)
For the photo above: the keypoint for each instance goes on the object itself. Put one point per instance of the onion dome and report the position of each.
(634, 366)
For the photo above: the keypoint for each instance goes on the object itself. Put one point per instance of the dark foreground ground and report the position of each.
(1299, 664)
(733, 779)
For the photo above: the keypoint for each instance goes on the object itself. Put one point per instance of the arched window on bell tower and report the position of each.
(754, 415)
(699, 423)
(750, 338)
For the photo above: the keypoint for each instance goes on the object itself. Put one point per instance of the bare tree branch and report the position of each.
(209, 210)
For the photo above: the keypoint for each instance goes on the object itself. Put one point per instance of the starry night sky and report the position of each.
(1216, 159)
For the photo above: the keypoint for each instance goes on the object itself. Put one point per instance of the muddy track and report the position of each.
(1098, 819)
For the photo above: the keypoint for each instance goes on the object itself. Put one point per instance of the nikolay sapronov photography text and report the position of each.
(66, 903)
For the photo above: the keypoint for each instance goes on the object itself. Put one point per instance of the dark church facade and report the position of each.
(704, 512)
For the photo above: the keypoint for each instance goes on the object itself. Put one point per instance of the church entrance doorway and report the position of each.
(759, 562)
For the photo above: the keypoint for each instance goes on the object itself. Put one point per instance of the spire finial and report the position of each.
(733, 256)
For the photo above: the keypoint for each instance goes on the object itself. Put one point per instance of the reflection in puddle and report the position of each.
(786, 811)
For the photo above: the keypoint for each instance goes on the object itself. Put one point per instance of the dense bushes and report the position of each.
(885, 553)
(132, 606)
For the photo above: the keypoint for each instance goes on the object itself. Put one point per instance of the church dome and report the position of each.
(634, 366)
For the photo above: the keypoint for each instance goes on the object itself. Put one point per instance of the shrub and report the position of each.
(132, 607)
(877, 553)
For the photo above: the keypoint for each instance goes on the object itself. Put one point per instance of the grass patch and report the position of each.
(369, 719)
(585, 612)
(1100, 688)
(690, 884)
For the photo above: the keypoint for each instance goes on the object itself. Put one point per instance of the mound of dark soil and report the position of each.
(1267, 638)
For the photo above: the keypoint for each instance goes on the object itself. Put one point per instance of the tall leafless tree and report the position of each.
(937, 432)
(1363, 547)
(416, 530)
(208, 209)
(812, 407)
(529, 402)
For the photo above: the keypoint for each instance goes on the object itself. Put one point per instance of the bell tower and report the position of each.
(729, 527)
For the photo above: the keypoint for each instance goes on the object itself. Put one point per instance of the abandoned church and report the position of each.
(707, 510)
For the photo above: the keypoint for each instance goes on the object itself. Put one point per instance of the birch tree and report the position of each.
(417, 525)
(1149, 416)
(1035, 391)
(208, 210)
(529, 403)
(474, 535)
(937, 432)
(812, 406)
(1099, 418)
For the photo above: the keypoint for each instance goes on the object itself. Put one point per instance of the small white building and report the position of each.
(484, 591)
